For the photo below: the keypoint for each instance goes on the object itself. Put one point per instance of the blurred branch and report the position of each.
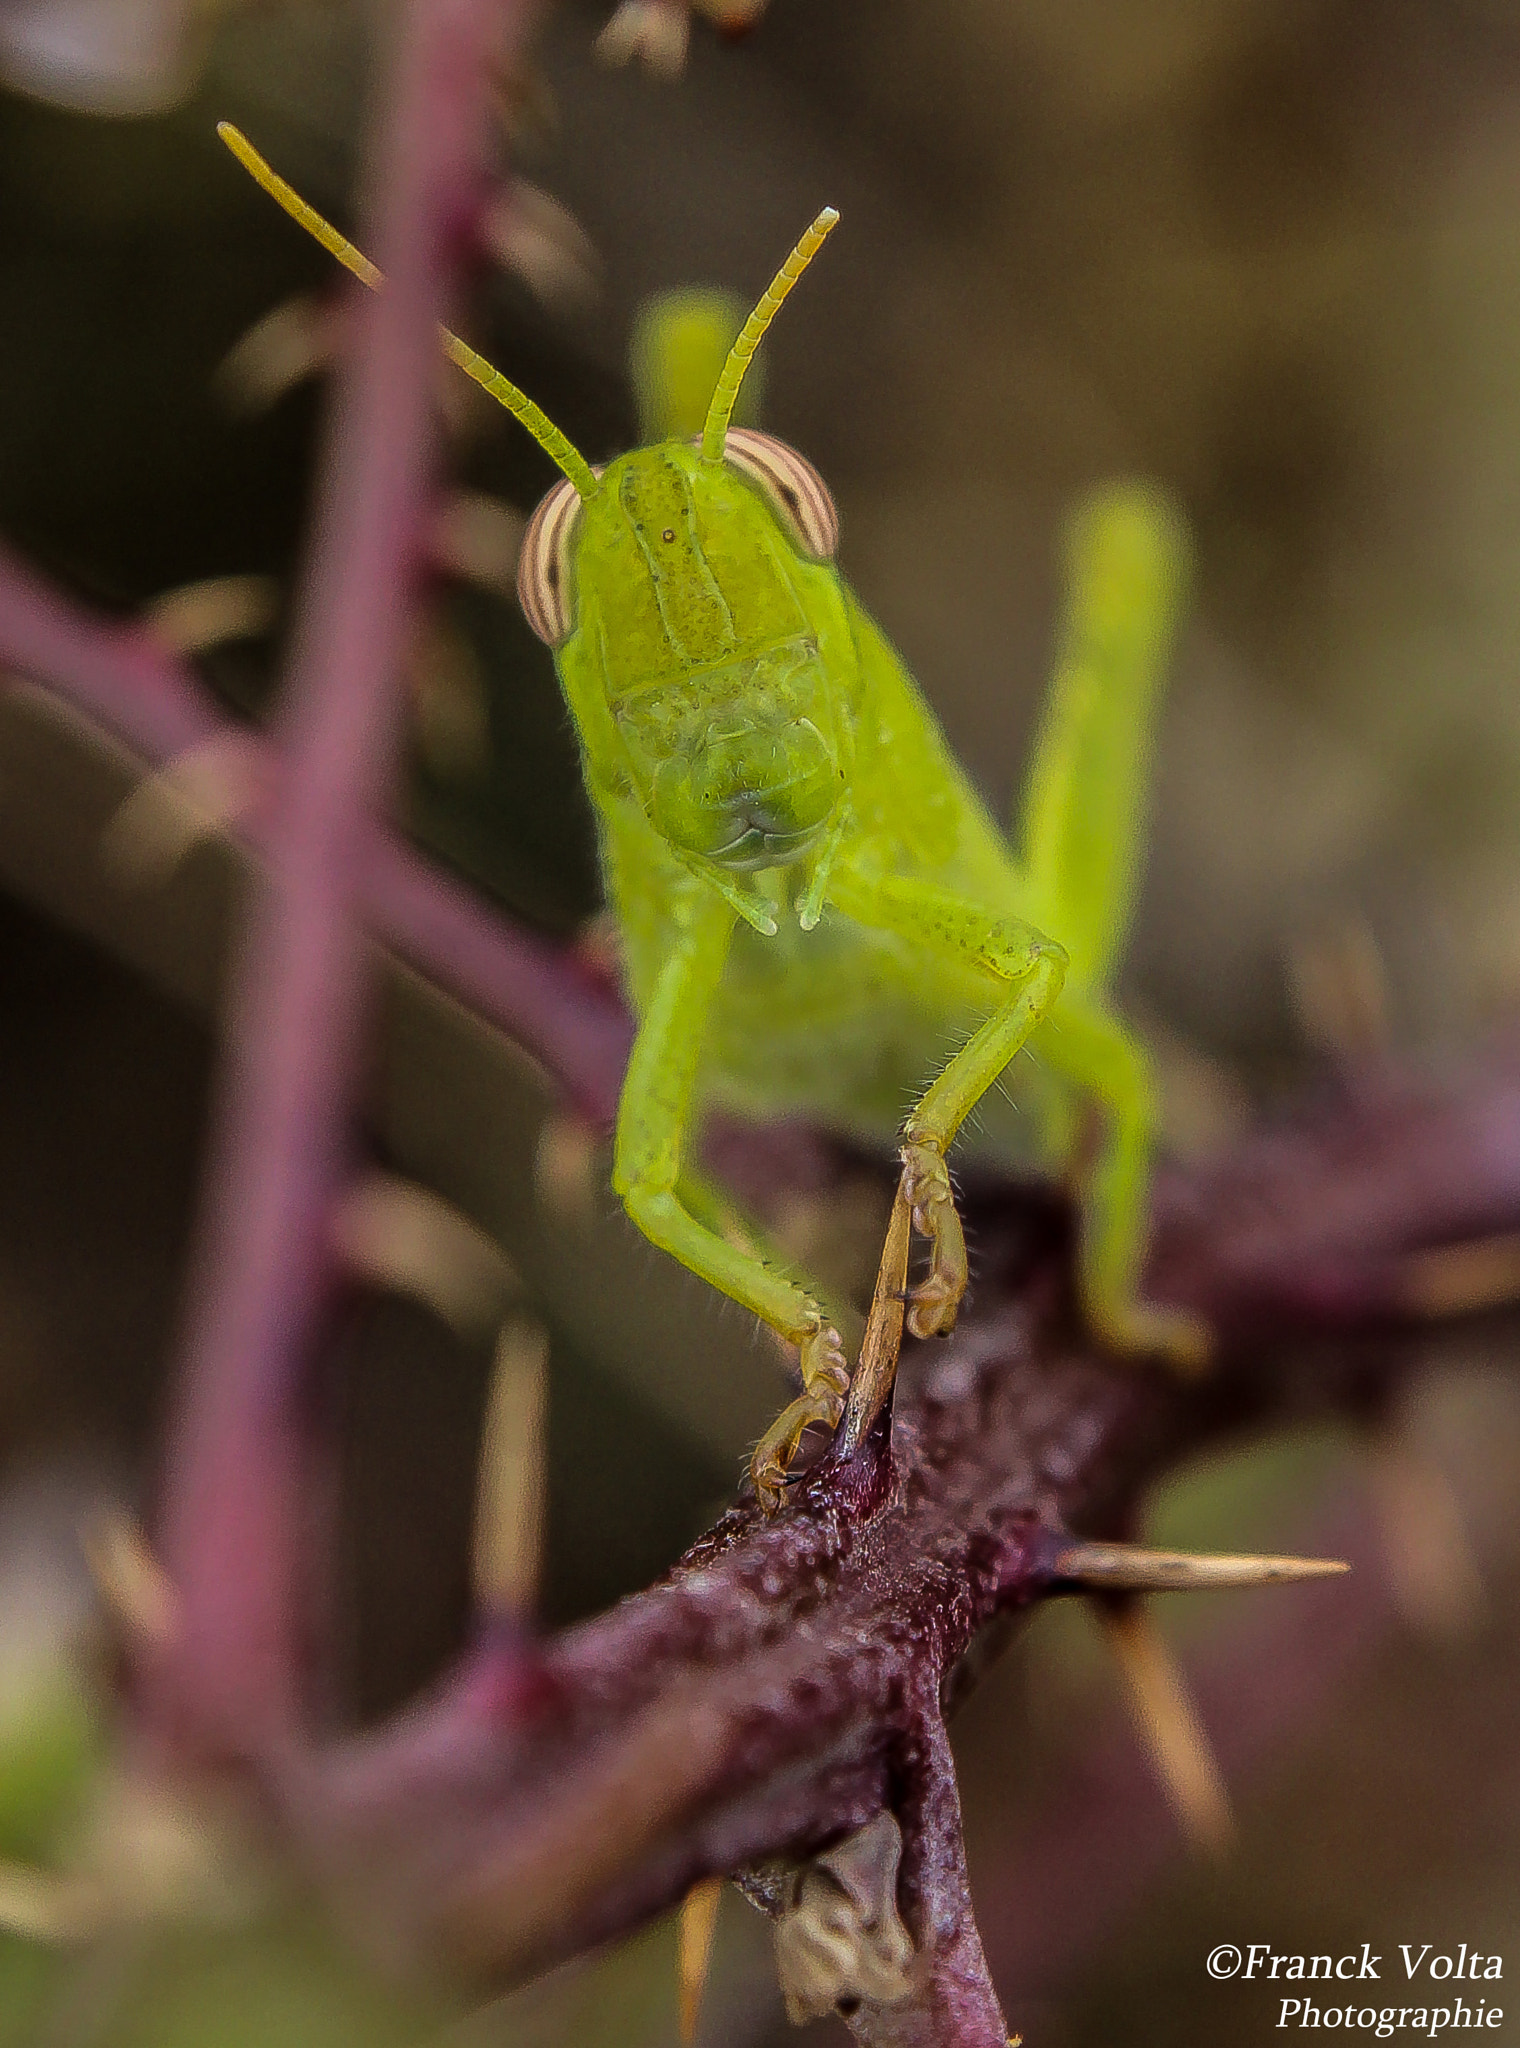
(242, 1451)
(125, 683)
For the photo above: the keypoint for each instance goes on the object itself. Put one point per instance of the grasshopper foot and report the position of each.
(825, 1383)
(933, 1303)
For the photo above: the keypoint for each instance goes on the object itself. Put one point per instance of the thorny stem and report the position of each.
(954, 2000)
(241, 1442)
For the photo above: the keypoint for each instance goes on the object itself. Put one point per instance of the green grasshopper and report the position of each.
(813, 900)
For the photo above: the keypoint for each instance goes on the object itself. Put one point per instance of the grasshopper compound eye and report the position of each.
(543, 566)
(795, 491)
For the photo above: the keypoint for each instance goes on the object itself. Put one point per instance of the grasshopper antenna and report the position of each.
(559, 448)
(726, 392)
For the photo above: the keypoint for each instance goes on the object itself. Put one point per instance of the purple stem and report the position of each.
(537, 992)
(953, 1999)
(118, 676)
(239, 1457)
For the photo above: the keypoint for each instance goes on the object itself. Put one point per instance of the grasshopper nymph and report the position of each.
(813, 900)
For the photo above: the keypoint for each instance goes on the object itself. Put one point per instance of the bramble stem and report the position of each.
(242, 1448)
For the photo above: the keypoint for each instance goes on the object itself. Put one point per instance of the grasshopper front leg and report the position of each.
(654, 1117)
(1031, 968)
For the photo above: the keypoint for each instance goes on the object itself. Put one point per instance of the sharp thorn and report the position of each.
(1339, 988)
(1126, 1568)
(873, 1376)
(196, 616)
(289, 344)
(656, 32)
(476, 537)
(699, 1918)
(1168, 1724)
(394, 1234)
(448, 696)
(542, 242)
(130, 1580)
(509, 1500)
(564, 1168)
(1461, 1279)
(199, 794)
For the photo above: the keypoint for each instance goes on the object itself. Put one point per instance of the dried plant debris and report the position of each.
(841, 1943)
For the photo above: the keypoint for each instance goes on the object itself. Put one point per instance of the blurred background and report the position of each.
(1265, 250)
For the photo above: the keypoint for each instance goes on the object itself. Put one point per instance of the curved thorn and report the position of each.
(539, 240)
(200, 794)
(656, 32)
(699, 1919)
(402, 1237)
(1168, 1724)
(476, 538)
(1432, 1571)
(293, 341)
(1461, 1278)
(196, 616)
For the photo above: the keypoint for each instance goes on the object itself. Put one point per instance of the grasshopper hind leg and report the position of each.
(1093, 1050)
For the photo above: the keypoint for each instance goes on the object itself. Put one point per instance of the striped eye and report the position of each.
(543, 565)
(798, 494)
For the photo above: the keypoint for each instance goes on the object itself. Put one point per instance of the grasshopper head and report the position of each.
(690, 585)
(702, 600)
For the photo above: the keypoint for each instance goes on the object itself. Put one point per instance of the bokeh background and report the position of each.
(1265, 250)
